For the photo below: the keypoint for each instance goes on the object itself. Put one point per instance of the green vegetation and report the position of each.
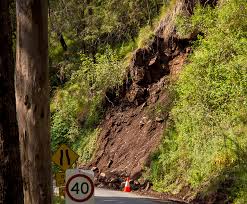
(77, 107)
(145, 36)
(100, 22)
(90, 26)
(205, 146)
(90, 43)
(58, 200)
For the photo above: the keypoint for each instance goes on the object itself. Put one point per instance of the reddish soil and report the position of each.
(132, 129)
(129, 135)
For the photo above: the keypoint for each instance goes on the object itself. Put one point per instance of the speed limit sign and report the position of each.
(79, 186)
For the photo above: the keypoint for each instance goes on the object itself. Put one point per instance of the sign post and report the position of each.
(79, 186)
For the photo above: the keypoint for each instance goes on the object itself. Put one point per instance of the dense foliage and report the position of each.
(89, 26)
(97, 22)
(77, 107)
(89, 42)
(205, 146)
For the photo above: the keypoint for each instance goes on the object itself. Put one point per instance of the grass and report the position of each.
(58, 200)
(204, 145)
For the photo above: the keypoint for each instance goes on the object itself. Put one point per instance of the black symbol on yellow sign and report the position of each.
(64, 157)
(67, 156)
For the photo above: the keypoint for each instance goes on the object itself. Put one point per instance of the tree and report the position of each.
(11, 189)
(32, 99)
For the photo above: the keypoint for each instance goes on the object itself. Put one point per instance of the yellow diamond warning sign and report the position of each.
(64, 157)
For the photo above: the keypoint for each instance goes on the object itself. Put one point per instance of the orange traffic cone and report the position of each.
(127, 185)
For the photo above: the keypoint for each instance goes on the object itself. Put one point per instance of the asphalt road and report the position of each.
(103, 196)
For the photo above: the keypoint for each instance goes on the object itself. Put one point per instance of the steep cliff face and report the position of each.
(134, 123)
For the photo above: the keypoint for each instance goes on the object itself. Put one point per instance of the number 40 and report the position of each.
(84, 188)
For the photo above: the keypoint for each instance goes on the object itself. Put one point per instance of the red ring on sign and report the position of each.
(75, 199)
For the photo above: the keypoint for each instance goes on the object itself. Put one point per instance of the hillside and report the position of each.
(161, 98)
(134, 122)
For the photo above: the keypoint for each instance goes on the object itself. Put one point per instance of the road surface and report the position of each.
(103, 196)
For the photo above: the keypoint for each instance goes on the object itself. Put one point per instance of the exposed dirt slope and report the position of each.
(133, 125)
(129, 135)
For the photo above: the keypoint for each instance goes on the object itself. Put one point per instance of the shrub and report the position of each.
(206, 145)
(82, 96)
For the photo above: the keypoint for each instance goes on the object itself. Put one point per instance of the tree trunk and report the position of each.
(11, 189)
(32, 99)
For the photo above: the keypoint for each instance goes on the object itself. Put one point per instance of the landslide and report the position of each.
(136, 118)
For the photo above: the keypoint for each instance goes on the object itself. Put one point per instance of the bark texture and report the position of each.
(11, 191)
(32, 99)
